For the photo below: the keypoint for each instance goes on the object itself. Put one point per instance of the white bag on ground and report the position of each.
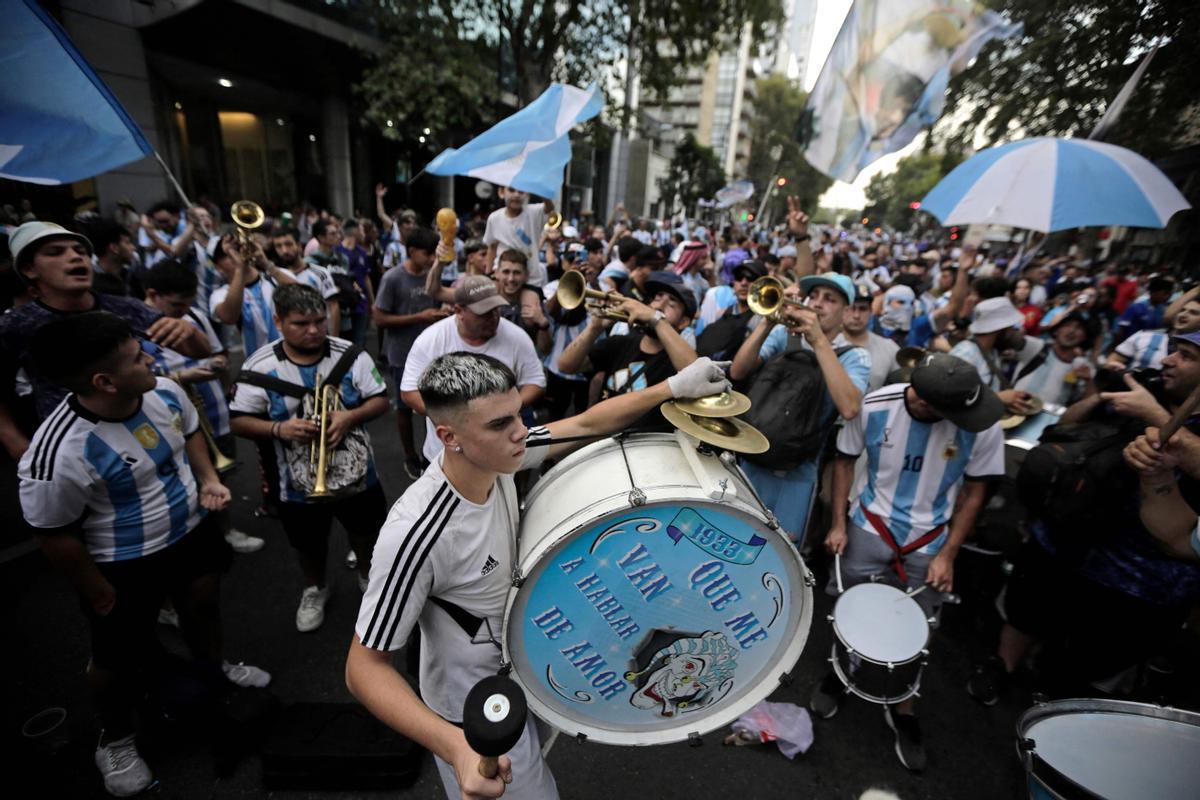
(786, 724)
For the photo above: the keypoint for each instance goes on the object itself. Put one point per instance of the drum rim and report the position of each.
(571, 458)
(912, 691)
(770, 678)
(921, 653)
(1049, 775)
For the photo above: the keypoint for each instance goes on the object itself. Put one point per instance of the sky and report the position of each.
(830, 14)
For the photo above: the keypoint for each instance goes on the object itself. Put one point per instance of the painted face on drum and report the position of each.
(491, 433)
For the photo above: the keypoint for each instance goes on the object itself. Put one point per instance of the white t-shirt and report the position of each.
(522, 232)
(436, 543)
(914, 469)
(127, 483)
(511, 346)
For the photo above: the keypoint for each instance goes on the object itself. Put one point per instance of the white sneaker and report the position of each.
(245, 675)
(351, 560)
(125, 773)
(311, 612)
(243, 543)
(168, 616)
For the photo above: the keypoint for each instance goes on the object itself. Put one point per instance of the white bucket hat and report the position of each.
(31, 232)
(995, 314)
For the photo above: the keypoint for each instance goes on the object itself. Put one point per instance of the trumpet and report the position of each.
(248, 216)
(573, 291)
(326, 400)
(766, 298)
(221, 462)
(555, 220)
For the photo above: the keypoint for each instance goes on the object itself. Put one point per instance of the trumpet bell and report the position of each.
(908, 357)
(765, 296)
(572, 288)
(555, 220)
(247, 214)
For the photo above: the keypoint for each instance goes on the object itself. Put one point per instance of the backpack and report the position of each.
(787, 396)
(721, 340)
(1070, 479)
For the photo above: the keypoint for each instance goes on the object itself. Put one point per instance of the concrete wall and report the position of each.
(104, 33)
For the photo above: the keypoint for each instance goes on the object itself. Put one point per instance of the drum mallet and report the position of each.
(493, 720)
(1179, 417)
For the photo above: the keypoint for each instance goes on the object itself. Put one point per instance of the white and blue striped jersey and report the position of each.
(1053, 379)
(318, 278)
(127, 483)
(258, 310)
(914, 469)
(216, 408)
(1145, 349)
(987, 368)
(360, 383)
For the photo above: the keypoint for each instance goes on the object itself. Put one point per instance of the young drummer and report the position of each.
(117, 484)
(450, 537)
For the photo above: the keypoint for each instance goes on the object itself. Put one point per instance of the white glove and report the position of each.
(701, 378)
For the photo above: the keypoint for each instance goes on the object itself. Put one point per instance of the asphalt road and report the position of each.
(971, 748)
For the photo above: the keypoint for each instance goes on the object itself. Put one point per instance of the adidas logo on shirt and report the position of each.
(489, 565)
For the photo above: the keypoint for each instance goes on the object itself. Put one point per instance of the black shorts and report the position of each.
(125, 635)
(307, 525)
(1093, 630)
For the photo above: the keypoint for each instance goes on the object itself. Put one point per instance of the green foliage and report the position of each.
(889, 196)
(778, 104)
(428, 76)
(695, 173)
(1073, 59)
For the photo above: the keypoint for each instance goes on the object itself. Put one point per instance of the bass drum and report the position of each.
(657, 603)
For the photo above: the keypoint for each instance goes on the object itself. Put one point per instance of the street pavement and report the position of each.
(971, 748)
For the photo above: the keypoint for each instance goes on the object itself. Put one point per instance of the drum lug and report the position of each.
(829, 617)
(518, 578)
(637, 497)
(890, 667)
(786, 679)
(694, 739)
(810, 580)
(772, 521)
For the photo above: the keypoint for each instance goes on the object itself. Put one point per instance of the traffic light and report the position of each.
(953, 233)
(745, 216)
(914, 205)
(750, 218)
(866, 220)
(781, 182)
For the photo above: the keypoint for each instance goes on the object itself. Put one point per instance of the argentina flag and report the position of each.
(60, 122)
(529, 149)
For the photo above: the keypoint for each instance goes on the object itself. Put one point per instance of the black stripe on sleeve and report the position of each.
(47, 429)
(45, 469)
(54, 452)
(413, 569)
(438, 497)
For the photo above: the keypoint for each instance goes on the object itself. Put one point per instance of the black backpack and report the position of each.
(721, 340)
(787, 396)
(1072, 477)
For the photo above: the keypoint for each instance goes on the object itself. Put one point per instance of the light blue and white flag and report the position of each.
(734, 193)
(529, 149)
(886, 76)
(59, 122)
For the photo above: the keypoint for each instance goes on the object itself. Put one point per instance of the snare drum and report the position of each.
(1109, 749)
(880, 642)
(655, 602)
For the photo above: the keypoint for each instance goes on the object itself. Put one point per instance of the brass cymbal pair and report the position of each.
(714, 420)
(1010, 421)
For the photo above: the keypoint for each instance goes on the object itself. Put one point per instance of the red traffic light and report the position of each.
(781, 182)
(914, 205)
(750, 217)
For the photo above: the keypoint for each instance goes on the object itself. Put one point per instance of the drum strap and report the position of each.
(465, 619)
(898, 552)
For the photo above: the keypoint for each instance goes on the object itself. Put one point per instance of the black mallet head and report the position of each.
(493, 720)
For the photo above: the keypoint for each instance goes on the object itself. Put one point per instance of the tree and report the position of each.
(890, 196)
(430, 81)
(1073, 58)
(778, 104)
(695, 173)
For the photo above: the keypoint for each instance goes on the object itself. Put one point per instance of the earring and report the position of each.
(458, 449)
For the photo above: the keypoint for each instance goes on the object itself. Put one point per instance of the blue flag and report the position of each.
(529, 149)
(60, 123)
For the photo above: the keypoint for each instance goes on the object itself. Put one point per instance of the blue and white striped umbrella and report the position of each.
(1048, 184)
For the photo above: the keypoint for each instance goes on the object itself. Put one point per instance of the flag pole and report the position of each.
(171, 178)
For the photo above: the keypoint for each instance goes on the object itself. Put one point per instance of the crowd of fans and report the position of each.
(887, 347)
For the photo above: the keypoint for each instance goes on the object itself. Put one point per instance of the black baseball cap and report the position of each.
(862, 293)
(954, 389)
(754, 267)
(666, 281)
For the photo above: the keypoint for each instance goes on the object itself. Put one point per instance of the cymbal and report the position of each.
(1009, 421)
(910, 356)
(725, 404)
(729, 433)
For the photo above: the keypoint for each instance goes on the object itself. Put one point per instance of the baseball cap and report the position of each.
(664, 281)
(862, 293)
(995, 314)
(954, 389)
(1190, 338)
(479, 294)
(30, 232)
(833, 280)
(754, 267)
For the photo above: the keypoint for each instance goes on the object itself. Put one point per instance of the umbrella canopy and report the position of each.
(1048, 184)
